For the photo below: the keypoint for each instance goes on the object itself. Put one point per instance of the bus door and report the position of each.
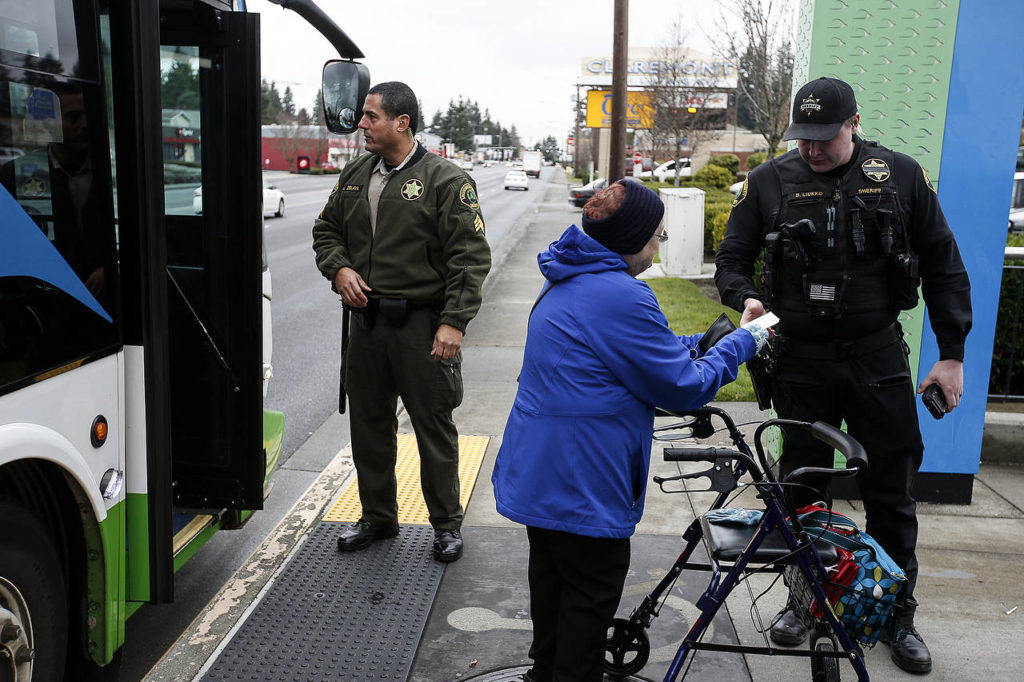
(210, 88)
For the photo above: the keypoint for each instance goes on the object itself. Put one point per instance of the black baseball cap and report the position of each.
(819, 110)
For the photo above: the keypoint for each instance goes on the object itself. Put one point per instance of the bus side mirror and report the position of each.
(344, 89)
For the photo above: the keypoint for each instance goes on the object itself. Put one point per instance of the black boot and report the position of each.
(789, 627)
(906, 647)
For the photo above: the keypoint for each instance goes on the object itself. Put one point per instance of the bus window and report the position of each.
(41, 34)
(182, 127)
(62, 306)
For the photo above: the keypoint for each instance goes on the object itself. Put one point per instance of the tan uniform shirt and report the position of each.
(378, 180)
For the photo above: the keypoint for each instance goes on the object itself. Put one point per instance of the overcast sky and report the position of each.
(521, 60)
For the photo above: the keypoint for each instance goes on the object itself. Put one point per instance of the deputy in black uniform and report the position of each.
(849, 229)
(402, 240)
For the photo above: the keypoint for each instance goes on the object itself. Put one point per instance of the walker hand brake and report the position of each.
(721, 476)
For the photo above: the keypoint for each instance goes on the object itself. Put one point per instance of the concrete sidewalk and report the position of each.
(970, 579)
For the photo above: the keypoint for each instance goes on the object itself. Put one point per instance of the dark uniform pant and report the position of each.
(575, 586)
(874, 393)
(386, 359)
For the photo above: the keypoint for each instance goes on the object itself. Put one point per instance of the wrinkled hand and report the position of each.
(949, 375)
(752, 309)
(447, 342)
(351, 286)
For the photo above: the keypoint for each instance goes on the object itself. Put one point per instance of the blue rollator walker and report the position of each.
(778, 543)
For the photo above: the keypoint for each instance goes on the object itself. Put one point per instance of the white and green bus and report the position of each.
(134, 332)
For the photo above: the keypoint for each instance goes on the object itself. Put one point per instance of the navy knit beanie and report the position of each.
(630, 227)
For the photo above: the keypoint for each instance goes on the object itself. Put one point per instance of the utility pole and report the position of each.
(576, 140)
(616, 162)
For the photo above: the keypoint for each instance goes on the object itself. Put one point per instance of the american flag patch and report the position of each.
(822, 292)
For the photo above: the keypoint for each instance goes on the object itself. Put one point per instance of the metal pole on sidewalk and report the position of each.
(576, 140)
(616, 162)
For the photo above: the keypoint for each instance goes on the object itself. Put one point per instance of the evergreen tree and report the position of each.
(179, 87)
(288, 104)
(270, 101)
(317, 117)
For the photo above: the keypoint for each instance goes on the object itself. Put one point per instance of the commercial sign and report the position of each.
(707, 100)
(639, 109)
(691, 68)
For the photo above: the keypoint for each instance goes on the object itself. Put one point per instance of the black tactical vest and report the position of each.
(839, 245)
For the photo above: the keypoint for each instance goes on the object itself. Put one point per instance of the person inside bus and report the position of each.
(57, 186)
(62, 192)
(575, 456)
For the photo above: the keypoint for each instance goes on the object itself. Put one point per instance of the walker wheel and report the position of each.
(824, 669)
(626, 649)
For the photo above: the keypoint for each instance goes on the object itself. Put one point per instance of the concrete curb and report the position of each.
(1003, 440)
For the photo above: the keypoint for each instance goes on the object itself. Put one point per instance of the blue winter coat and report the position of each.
(599, 357)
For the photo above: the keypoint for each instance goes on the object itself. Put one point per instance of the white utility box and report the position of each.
(683, 254)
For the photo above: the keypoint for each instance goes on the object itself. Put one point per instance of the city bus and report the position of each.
(134, 333)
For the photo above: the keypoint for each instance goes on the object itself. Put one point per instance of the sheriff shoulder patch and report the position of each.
(412, 190)
(875, 169)
(742, 195)
(928, 181)
(467, 195)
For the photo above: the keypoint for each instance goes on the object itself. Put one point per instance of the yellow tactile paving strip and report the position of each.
(411, 507)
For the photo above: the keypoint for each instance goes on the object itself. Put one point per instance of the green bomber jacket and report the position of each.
(429, 247)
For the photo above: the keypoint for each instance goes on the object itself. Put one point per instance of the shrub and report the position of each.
(718, 223)
(1005, 377)
(717, 205)
(716, 176)
(756, 159)
(730, 162)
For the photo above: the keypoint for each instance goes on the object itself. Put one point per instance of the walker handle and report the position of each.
(856, 457)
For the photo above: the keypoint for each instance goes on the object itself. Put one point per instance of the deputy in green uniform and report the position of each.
(401, 239)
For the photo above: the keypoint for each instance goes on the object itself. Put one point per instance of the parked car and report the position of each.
(1017, 203)
(273, 199)
(667, 171)
(515, 179)
(578, 196)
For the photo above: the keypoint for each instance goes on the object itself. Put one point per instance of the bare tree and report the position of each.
(762, 50)
(679, 98)
(289, 141)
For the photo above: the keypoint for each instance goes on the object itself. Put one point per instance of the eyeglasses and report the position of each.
(662, 238)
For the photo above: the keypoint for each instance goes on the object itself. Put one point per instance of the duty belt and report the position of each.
(391, 310)
(839, 349)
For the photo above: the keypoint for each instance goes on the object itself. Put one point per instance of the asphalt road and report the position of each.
(306, 322)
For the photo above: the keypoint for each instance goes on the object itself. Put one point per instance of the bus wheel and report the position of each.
(33, 610)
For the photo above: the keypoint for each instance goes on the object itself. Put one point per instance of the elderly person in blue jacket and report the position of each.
(574, 461)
